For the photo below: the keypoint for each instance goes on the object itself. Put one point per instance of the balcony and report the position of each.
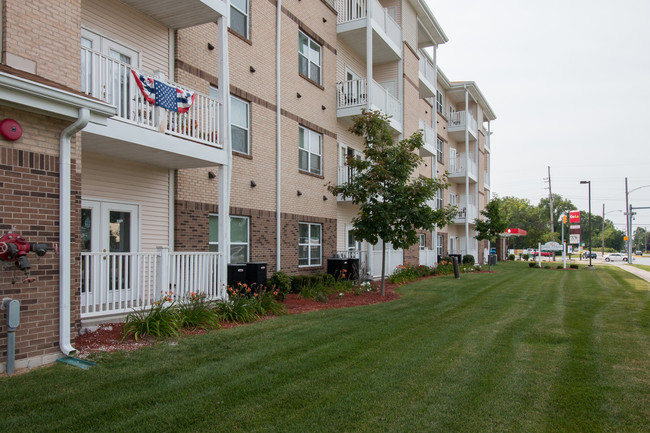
(486, 143)
(345, 175)
(458, 168)
(429, 138)
(177, 15)
(386, 33)
(467, 210)
(427, 77)
(486, 179)
(458, 120)
(352, 97)
(142, 131)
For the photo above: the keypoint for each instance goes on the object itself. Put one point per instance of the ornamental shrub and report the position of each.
(160, 321)
(525, 256)
(468, 259)
(511, 257)
(533, 265)
(280, 282)
(197, 312)
(573, 266)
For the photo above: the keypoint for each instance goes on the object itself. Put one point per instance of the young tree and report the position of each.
(495, 223)
(392, 203)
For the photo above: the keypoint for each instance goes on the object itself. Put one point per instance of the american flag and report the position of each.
(164, 95)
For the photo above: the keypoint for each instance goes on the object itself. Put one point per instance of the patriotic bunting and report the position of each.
(163, 95)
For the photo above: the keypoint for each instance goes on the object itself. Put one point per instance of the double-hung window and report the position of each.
(239, 240)
(423, 241)
(439, 103)
(239, 124)
(439, 245)
(310, 150)
(309, 58)
(439, 200)
(441, 150)
(310, 240)
(239, 17)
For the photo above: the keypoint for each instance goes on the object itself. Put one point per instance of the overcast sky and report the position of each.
(569, 82)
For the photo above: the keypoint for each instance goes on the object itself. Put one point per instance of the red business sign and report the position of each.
(574, 217)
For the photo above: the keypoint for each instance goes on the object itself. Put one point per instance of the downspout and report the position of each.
(278, 142)
(64, 229)
(466, 167)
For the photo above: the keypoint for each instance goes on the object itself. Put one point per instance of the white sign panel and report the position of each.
(575, 226)
(574, 239)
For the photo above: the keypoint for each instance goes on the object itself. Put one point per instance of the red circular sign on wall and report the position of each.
(10, 129)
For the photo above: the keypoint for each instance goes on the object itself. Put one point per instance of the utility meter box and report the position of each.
(13, 313)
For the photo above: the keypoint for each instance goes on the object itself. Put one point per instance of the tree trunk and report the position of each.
(383, 269)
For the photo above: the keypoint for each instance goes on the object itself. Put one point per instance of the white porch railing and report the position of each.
(386, 102)
(112, 81)
(428, 258)
(352, 10)
(457, 166)
(457, 121)
(427, 69)
(467, 210)
(351, 93)
(118, 283)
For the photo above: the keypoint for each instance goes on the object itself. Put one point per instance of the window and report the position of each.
(309, 244)
(239, 244)
(423, 241)
(239, 124)
(309, 58)
(441, 151)
(439, 245)
(439, 103)
(239, 17)
(310, 150)
(440, 199)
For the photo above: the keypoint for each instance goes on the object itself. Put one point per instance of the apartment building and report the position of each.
(133, 190)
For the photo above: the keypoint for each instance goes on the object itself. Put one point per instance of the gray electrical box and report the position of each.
(13, 313)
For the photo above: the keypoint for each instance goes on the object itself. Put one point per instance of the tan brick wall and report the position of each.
(29, 205)
(47, 33)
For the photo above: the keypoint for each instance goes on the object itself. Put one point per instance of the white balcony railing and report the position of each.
(466, 209)
(486, 143)
(457, 121)
(457, 166)
(351, 93)
(428, 135)
(118, 283)
(386, 102)
(486, 179)
(352, 10)
(112, 81)
(427, 69)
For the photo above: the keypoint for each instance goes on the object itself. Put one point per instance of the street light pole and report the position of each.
(588, 182)
(628, 210)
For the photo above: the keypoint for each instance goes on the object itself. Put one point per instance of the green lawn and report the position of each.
(521, 350)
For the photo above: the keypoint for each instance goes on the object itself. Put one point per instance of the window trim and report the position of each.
(440, 103)
(440, 246)
(247, 129)
(440, 150)
(248, 236)
(247, 15)
(309, 244)
(308, 76)
(307, 134)
(423, 241)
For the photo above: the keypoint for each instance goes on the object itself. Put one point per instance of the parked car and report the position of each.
(638, 252)
(615, 257)
(586, 255)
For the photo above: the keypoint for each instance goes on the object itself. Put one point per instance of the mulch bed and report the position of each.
(108, 337)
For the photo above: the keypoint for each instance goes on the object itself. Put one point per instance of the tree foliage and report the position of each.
(392, 201)
(494, 223)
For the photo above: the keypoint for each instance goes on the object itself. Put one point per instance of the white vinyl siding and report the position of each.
(112, 179)
(123, 24)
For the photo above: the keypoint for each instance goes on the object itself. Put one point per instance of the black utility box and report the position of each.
(336, 266)
(256, 274)
(353, 269)
(236, 274)
(492, 259)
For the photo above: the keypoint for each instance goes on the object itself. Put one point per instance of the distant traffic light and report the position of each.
(564, 219)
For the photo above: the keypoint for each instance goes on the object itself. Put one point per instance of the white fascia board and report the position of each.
(477, 96)
(429, 21)
(444, 81)
(39, 98)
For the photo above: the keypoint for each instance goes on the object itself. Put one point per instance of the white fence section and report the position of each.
(352, 10)
(351, 93)
(386, 102)
(457, 121)
(118, 283)
(394, 258)
(111, 81)
(457, 166)
(428, 258)
(427, 69)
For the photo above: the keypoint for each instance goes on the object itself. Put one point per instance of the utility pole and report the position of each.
(550, 199)
(627, 221)
(602, 246)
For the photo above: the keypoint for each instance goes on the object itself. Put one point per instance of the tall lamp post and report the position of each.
(588, 182)
(603, 229)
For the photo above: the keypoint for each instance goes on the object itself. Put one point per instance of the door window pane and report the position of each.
(86, 229)
(119, 231)
(239, 240)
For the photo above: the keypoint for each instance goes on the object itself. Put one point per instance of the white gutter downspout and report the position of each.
(64, 229)
(278, 141)
(466, 167)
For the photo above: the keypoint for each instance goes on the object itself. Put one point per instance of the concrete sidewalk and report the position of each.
(645, 275)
